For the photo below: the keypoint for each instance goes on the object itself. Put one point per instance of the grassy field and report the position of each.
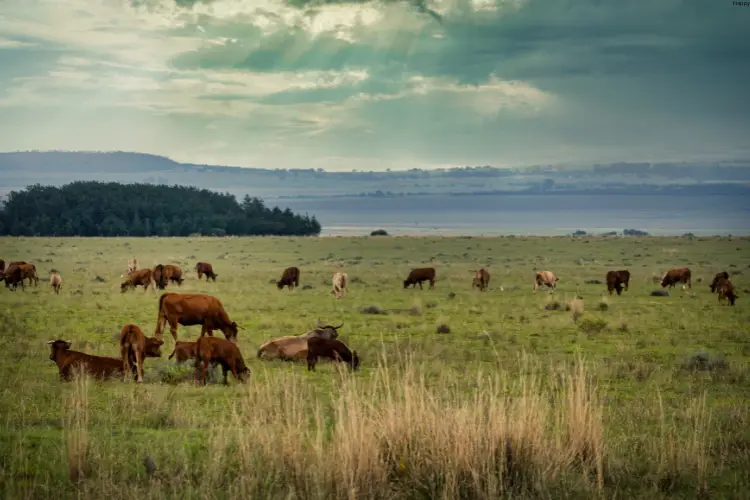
(617, 397)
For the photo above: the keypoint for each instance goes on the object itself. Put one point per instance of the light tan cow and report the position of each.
(132, 265)
(294, 347)
(545, 278)
(340, 284)
(55, 281)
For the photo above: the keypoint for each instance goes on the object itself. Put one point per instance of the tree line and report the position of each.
(113, 209)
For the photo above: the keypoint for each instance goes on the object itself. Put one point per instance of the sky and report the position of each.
(344, 85)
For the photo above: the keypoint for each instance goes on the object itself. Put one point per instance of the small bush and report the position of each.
(373, 309)
(553, 305)
(594, 282)
(592, 325)
(702, 361)
(379, 232)
(451, 295)
(307, 287)
(660, 293)
(603, 305)
(443, 328)
(576, 309)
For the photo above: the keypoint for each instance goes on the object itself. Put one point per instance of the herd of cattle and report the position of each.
(207, 311)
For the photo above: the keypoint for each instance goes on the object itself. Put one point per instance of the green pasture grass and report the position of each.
(628, 396)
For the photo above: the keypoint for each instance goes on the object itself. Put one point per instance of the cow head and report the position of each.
(406, 283)
(280, 284)
(153, 347)
(58, 346)
(328, 332)
(230, 331)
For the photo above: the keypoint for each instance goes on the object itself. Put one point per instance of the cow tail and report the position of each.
(173, 351)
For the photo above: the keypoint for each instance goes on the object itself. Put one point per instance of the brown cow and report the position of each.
(189, 309)
(616, 280)
(100, 367)
(331, 349)
(184, 350)
(481, 280)
(545, 278)
(340, 284)
(135, 347)
(419, 275)
(719, 277)
(55, 281)
(205, 268)
(17, 273)
(219, 351)
(289, 278)
(163, 274)
(725, 290)
(141, 277)
(677, 275)
(294, 347)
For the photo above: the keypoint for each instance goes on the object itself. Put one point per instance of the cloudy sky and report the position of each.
(340, 84)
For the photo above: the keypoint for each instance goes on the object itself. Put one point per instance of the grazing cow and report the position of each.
(184, 350)
(16, 274)
(100, 367)
(132, 265)
(163, 274)
(545, 278)
(616, 280)
(289, 278)
(331, 349)
(725, 290)
(419, 275)
(340, 284)
(294, 347)
(189, 309)
(141, 277)
(677, 275)
(205, 268)
(219, 351)
(481, 280)
(135, 347)
(55, 281)
(719, 277)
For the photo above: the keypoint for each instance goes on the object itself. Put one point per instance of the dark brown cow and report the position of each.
(219, 351)
(677, 275)
(100, 367)
(719, 277)
(616, 280)
(205, 268)
(164, 273)
(189, 309)
(481, 280)
(417, 276)
(289, 278)
(725, 290)
(184, 350)
(332, 349)
(16, 274)
(141, 277)
(135, 347)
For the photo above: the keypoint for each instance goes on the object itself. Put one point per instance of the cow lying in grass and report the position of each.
(100, 367)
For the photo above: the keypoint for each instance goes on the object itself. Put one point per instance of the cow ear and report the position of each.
(50, 342)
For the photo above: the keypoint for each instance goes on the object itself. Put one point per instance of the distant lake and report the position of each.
(527, 214)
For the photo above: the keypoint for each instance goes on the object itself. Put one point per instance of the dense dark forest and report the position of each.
(114, 209)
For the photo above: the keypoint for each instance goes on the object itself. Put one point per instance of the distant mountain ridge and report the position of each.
(56, 168)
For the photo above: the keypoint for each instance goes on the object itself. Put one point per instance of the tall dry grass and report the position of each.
(394, 435)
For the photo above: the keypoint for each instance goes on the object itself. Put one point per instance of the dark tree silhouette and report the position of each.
(114, 209)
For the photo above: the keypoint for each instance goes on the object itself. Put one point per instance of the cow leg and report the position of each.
(311, 363)
(420, 285)
(173, 330)
(432, 283)
(139, 364)
(204, 371)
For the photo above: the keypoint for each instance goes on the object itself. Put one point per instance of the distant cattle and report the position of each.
(545, 278)
(481, 280)
(294, 347)
(332, 349)
(719, 277)
(616, 280)
(725, 290)
(184, 350)
(417, 276)
(676, 275)
(340, 283)
(132, 265)
(135, 347)
(55, 281)
(100, 367)
(141, 277)
(189, 309)
(289, 278)
(212, 350)
(205, 268)
(17, 273)
(164, 273)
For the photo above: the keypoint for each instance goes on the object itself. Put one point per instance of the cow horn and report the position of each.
(337, 327)
(50, 342)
